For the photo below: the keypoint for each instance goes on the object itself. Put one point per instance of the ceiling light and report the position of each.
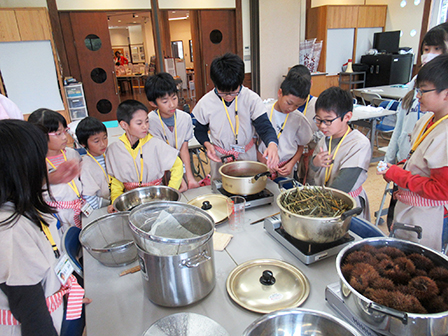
(178, 18)
(119, 20)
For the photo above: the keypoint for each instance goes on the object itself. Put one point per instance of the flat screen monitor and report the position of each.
(387, 42)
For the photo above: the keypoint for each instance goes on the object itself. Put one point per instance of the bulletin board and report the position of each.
(29, 75)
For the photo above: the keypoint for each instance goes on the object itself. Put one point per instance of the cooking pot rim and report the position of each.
(297, 311)
(342, 253)
(226, 165)
(353, 205)
(177, 241)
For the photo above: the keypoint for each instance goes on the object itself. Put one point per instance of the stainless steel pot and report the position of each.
(135, 197)
(318, 230)
(299, 322)
(385, 320)
(244, 177)
(176, 271)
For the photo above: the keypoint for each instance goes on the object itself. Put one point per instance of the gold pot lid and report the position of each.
(265, 285)
(214, 204)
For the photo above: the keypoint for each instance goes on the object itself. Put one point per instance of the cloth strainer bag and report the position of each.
(170, 228)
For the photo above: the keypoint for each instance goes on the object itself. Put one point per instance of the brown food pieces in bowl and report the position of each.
(386, 275)
(362, 276)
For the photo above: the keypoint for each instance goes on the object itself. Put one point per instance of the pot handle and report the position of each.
(196, 260)
(256, 177)
(403, 317)
(288, 180)
(407, 227)
(352, 212)
(223, 158)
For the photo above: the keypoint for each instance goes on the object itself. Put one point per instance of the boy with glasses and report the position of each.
(233, 113)
(423, 180)
(342, 157)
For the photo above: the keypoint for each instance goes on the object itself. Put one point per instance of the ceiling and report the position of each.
(125, 19)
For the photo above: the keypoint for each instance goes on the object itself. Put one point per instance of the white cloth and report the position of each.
(8, 109)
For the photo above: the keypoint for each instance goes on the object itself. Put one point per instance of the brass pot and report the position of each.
(244, 177)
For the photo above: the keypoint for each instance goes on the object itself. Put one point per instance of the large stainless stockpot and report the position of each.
(176, 262)
(318, 230)
(384, 320)
(244, 177)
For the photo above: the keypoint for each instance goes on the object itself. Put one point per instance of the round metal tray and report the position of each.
(218, 210)
(290, 290)
(187, 324)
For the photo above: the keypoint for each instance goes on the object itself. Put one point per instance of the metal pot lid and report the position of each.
(214, 204)
(265, 285)
(187, 324)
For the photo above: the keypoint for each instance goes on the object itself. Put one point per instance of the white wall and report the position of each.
(406, 18)
(23, 3)
(180, 30)
(279, 42)
(195, 4)
(65, 5)
(135, 34)
(119, 36)
(150, 49)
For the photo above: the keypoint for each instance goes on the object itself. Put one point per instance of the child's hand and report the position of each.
(192, 184)
(111, 209)
(211, 152)
(286, 169)
(66, 172)
(271, 153)
(183, 186)
(323, 159)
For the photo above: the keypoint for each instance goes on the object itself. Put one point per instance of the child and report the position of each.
(343, 155)
(169, 124)
(232, 113)
(27, 258)
(138, 159)
(293, 129)
(92, 134)
(422, 182)
(433, 45)
(67, 197)
(308, 110)
(409, 111)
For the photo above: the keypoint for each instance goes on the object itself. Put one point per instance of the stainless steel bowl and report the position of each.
(299, 322)
(109, 240)
(135, 197)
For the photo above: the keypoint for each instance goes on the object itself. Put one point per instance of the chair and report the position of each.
(386, 124)
(369, 97)
(72, 246)
(381, 212)
(364, 229)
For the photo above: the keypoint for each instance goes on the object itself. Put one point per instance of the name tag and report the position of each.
(87, 209)
(238, 149)
(63, 268)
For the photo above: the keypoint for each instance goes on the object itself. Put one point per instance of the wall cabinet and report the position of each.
(338, 25)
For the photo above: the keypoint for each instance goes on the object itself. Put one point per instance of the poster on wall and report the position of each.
(29, 75)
